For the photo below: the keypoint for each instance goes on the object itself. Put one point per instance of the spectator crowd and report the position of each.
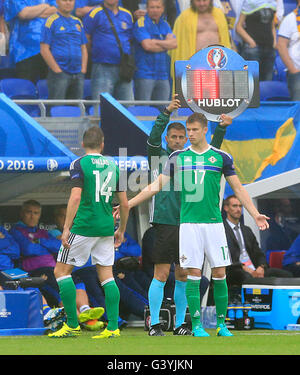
(67, 41)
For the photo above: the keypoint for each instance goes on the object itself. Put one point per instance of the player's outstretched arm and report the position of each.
(149, 190)
(243, 196)
(123, 213)
(72, 208)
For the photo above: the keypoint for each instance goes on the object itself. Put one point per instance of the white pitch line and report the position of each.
(290, 333)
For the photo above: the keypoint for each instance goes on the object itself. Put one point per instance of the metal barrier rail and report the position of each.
(82, 104)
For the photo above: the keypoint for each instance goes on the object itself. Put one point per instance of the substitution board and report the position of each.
(217, 80)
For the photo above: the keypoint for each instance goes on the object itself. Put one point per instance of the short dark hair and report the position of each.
(162, 1)
(226, 201)
(197, 117)
(31, 203)
(93, 137)
(177, 126)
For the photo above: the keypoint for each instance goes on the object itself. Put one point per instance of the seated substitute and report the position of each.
(9, 253)
(38, 249)
(248, 260)
(291, 259)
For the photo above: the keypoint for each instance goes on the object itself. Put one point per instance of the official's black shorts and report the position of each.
(166, 244)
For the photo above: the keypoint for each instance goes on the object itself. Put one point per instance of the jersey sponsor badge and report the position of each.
(183, 258)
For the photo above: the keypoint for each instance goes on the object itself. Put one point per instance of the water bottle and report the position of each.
(208, 316)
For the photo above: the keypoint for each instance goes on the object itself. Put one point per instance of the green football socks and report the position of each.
(193, 300)
(67, 291)
(112, 299)
(221, 299)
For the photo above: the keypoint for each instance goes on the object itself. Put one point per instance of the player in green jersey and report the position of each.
(197, 173)
(89, 231)
(165, 218)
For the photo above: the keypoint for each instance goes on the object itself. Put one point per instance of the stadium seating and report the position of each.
(16, 88)
(279, 73)
(276, 257)
(91, 111)
(87, 94)
(274, 91)
(42, 89)
(140, 110)
(184, 112)
(65, 111)
(4, 62)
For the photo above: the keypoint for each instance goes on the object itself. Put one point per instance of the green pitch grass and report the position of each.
(134, 341)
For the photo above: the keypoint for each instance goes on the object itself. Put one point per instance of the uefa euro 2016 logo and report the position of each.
(52, 165)
(216, 58)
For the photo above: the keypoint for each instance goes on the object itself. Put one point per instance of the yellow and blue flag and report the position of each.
(265, 141)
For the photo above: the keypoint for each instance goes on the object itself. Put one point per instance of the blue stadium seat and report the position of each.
(65, 111)
(90, 111)
(42, 89)
(279, 73)
(274, 91)
(140, 110)
(32, 110)
(184, 112)
(87, 94)
(4, 62)
(16, 88)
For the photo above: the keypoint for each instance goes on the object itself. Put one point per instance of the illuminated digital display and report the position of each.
(217, 80)
(212, 84)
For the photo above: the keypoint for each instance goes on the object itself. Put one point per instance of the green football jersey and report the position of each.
(98, 177)
(197, 176)
(166, 203)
